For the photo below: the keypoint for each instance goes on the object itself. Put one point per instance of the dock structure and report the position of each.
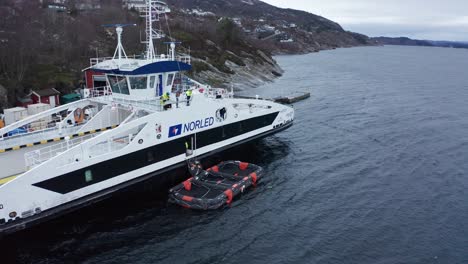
(294, 98)
(291, 99)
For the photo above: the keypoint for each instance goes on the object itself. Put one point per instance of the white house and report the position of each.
(269, 28)
(139, 5)
(237, 21)
(88, 5)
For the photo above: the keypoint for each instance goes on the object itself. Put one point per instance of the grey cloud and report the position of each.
(425, 19)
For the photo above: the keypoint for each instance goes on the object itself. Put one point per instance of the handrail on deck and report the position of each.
(162, 57)
(37, 157)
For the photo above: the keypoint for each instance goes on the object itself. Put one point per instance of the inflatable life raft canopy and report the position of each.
(215, 187)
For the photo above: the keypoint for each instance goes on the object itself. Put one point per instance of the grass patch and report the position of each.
(198, 66)
(47, 75)
(213, 82)
(184, 37)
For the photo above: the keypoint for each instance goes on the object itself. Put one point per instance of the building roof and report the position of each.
(24, 99)
(71, 96)
(46, 92)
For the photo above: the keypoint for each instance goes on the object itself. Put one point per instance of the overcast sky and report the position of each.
(420, 19)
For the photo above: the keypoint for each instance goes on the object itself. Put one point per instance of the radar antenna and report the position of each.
(119, 51)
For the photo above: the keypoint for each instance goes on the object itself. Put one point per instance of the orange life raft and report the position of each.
(215, 187)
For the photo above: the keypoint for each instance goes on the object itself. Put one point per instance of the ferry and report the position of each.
(149, 118)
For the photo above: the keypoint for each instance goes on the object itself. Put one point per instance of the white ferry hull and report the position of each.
(63, 193)
(137, 127)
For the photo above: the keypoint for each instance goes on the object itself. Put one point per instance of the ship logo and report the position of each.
(221, 114)
(175, 131)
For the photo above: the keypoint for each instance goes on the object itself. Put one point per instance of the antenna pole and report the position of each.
(119, 31)
(152, 14)
(149, 31)
(173, 45)
(119, 51)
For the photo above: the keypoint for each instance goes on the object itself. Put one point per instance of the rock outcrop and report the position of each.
(250, 74)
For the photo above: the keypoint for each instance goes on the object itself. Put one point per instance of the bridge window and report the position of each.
(138, 83)
(170, 78)
(152, 82)
(118, 84)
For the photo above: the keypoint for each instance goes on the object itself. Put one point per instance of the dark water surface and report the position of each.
(375, 170)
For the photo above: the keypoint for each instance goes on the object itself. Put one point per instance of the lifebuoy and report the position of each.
(79, 115)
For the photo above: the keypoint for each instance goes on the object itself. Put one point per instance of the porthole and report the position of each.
(12, 214)
(140, 141)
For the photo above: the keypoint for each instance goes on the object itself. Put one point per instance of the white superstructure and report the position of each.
(122, 133)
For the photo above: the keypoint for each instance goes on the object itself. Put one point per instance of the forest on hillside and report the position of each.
(44, 48)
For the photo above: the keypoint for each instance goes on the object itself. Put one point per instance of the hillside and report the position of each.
(259, 20)
(232, 42)
(404, 41)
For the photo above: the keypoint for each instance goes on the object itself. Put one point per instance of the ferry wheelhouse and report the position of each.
(123, 133)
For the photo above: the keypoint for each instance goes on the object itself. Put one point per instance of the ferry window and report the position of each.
(138, 82)
(152, 81)
(170, 78)
(88, 176)
(118, 84)
(150, 156)
(123, 85)
(113, 83)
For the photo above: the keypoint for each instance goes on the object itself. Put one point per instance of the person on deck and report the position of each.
(166, 97)
(188, 93)
(177, 99)
(162, 102)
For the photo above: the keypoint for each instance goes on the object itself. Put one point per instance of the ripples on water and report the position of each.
(373, 171)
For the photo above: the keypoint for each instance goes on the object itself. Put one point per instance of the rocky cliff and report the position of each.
(274, 26)
(240, 37)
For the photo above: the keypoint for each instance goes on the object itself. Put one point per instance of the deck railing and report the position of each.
(104, 94)
(161, 57)
(37, 136)
(36, 157)
(83, 148)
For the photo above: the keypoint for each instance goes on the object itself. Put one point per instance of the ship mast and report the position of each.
(153, 12)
